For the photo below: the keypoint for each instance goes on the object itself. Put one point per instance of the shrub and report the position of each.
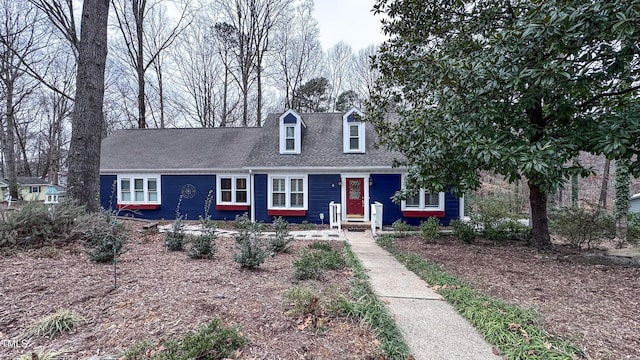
(174, 239)
(280, 242)
(313, 264)
(301, 301)
(633, 228)
(307, 225)
(35, 225)
(55, 324)
(401, 228)
(430, 229)
(321, 245)
(211, 342)
(203, 245)
(253, 248)
(103, 236)
(583, 228)
(242, 222)
(463, 231)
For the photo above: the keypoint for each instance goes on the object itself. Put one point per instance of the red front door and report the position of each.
(355, 197)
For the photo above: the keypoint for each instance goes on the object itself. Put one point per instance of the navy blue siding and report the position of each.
(322, 190)
(260, 197)
(385, 185)
(108, 194)
(383, 188)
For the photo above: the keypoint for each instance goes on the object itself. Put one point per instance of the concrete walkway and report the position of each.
(430, 326)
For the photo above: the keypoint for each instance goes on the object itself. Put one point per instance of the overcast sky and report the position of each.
(349, 20)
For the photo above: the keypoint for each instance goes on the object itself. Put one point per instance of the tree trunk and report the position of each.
(621, 210)
(87, 122)
(539, 221)
(574, 191)
(602, 202)
(10, 147)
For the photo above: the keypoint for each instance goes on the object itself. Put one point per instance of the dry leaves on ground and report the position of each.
(598, 306)
(161, 295)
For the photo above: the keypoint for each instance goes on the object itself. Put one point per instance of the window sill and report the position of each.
(423, 213)
(284, 212)
(138, 206)
(231, 207)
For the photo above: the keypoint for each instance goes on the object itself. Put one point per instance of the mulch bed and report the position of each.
(597, 306)
(162, 295)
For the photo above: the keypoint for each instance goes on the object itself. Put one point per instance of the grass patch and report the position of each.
(369, 309)
(55, 324)
(211, 342)
(314, 264)
(515, 331)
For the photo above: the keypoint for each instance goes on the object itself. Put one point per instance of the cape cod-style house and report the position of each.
(317, 167)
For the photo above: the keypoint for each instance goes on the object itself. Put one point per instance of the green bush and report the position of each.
(493, 217)
(103, 237)
(253, 248)
(307, 225)
(203, 246)
(321, 245)
(313, 264)
(401, 228)
(212, 342)
(174, 239)
(300, 301)
(582, 228)
(430, 229)
(35, 225)
(280, 242)
(463, 231)
(633, 228)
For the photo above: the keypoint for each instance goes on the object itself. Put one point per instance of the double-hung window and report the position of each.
(34, 189)
(288, 192)
(290, 138)
(354, 137)
(233, 190)
(138, 189)
(424, 201)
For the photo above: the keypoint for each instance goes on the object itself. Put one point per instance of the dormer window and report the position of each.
(290, 138)
(291, 132)
(353, 132)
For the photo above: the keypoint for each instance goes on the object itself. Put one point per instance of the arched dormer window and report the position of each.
(353, 136)
(291, 132)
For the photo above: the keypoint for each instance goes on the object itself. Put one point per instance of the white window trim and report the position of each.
(297, 133)
(233, 190)
(145, 178)
(287, 189)
(346, 133)
(422, 206)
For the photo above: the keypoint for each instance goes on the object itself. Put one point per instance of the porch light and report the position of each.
(370, 182)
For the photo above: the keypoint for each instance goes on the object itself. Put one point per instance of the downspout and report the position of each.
(252, 194)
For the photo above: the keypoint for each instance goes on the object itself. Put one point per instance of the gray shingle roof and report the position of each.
(177, 149)
(235, 148)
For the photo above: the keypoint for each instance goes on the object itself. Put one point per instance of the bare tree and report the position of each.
(142, 48)
(298, 52)
(18, 44)
(364, 75)
(339, 63)
(253, 21)
(87, 123)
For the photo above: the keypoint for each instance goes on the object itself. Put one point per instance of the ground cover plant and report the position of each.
(594, 306)
(163, 296)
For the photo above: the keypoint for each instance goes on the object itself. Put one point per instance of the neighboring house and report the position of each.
(294, 166)
(31, 188)
(634, 203)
